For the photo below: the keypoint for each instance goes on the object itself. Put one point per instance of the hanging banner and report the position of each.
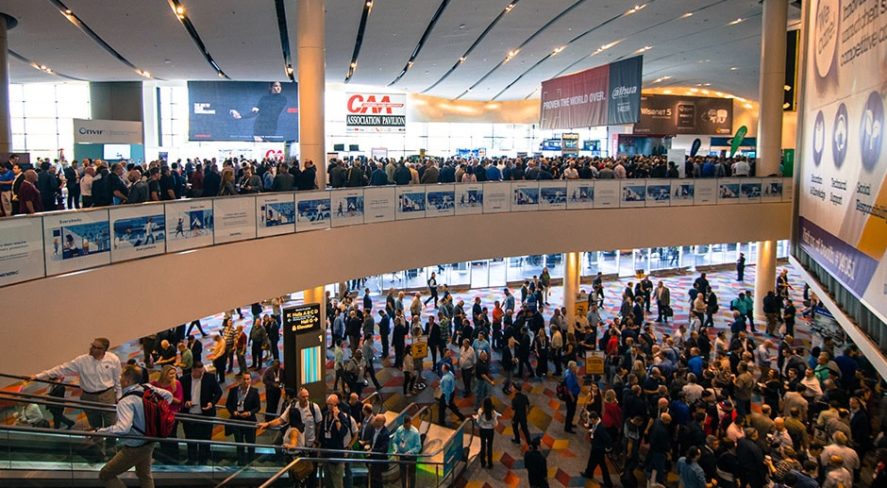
(137, 231)
(348, 207)
(497, 197)
(189, 224)
(469, 199)
(683, 193)
(674, 114)
(76, 241)
(553, 195)
(524, 196)
(379, 204)
(21, 250)
(633, 193)
(737, 140)
(440, 200)
(235, 219)
(312, 210)
(606, 194)
(276, 214)
(95, 131)
(605, 95)
(581, 194)
(410, 202)
(843, 194)
(658, 193)
(375, 113)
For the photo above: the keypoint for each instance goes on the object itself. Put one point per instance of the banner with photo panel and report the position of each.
(313, 210)
(75, 241)
(410, 202)
(348, 207)
(606, 194)
(682, 192)
(497, 197)
(275, 214)
(235, 219)
(553, 195)
(524, 196)
(772, 190)
(633, 193)
(750, 190)
(379, 204)
(469, 199)
(728, 191)
(440, 200)
(21, 250)
(706, 192)
(189, 224)
(137, 231)
(580, 194)
(658, 193)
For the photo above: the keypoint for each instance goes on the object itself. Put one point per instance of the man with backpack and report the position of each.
(138, 414)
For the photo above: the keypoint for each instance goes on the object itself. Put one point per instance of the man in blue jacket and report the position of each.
(447, 395)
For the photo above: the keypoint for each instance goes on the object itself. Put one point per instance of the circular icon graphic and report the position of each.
(818, 137)
(825, 35)
(839, 136)
(871, 130)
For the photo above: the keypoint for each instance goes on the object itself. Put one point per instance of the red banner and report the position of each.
(578, 100)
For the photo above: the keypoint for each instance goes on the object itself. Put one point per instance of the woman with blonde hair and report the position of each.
(227, 188)
(168, 380)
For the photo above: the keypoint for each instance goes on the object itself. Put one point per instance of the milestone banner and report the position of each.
(605, 95)
(469, 199)
(683, 193)
(750, 190)
(634, 193)
(524, 196)
(410, 202)
(253, 111)
(553, 195)
(606, 194)
(189, 224)
(705, 191)
(728, 191)
(580, 194)
(275, 214)
(76, 241)
(673, 114)
(235, 219)
(379, 204)
(312, 210)
(440, 200)
(21, 250)
(348, 207)
(658, 193)
(771, 190)
(843, 193)
(376, 113)
(497, 197)
(137, 231)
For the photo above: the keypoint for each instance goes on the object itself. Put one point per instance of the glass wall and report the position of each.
(42, 116)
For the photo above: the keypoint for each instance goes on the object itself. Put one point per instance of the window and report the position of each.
(42, 117)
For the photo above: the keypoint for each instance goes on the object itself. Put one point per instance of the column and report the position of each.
(769, 149)
(317, 295)
(572, 273)
(6, 23)
(310, 46)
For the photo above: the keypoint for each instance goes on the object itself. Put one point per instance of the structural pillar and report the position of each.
(312, 79)
(319, 390)
(6, 23)
(769, 138)
(572, 273)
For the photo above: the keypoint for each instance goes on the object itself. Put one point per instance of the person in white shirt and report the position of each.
(134, 452)
(741, 168)
(99, 373)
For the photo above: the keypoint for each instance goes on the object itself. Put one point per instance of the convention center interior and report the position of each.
(443, 243)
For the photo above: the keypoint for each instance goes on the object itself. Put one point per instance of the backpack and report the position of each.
(159, 418)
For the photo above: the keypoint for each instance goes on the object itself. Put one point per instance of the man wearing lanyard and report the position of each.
(600, 442)
(310, 417)
(99, 373)
(375, 441)
(243, 404)
(336, 427)
(407, 444)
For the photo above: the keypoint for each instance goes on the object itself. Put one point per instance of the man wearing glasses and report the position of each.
(99, 373)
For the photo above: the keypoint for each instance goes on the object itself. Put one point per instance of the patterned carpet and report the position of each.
(566, 453)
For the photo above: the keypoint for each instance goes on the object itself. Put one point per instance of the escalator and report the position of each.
(42, 456)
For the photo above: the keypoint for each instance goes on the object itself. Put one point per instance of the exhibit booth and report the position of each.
(108, 140)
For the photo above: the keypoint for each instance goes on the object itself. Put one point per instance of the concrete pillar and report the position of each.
(572, 273)
(6, 23)
(116, 100)
(310, 47)
(318, 390)
(769, 150)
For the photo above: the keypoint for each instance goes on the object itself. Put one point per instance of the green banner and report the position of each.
(737, 139)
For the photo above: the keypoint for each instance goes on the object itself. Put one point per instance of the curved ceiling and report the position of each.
(516, 43)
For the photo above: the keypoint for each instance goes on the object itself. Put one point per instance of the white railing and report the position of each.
(53, 243)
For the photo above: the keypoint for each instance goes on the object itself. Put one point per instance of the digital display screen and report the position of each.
(243, 111)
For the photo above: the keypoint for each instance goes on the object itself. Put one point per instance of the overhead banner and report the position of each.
(606, 95)
(376, 113)
(843, 194)
(21, 250)
(96, 131)
(254, 111)
(672, 114)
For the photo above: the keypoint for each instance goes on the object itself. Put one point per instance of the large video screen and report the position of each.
(843, 195)
(243, 111)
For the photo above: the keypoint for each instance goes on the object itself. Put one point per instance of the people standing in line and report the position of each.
(407, 445)
(243, 404)
(487, 419)
(130, 421)
(201, 394)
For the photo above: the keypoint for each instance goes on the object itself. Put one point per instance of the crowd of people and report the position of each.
(746, 405)
(55, 185)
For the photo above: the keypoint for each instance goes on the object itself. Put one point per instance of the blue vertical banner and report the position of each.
(625, 91)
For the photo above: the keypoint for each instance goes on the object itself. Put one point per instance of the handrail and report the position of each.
(28, 379)
(270, 481)
(377, 395)
(284, 470)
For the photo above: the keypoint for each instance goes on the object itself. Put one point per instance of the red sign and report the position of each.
(578, 100)
(274, 154)
(358, 104)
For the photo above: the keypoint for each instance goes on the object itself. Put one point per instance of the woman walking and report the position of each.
(487, 420)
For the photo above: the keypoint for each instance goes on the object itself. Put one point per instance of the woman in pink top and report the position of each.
(168, 380)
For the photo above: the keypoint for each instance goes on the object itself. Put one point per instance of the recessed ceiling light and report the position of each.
(737, 21)
(733, 68)
(787, 88)
(667, 92)
(509, 7)
(706, 84)
(694, 90)
(635, 9)
(558, 50)
(688, 14)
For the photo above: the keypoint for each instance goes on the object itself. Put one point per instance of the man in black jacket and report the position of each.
(376, 442)
(520, 405)
(243, 404)
(750, 458)
(307, 179)
(600, 444)
(537, 466)
(201, 393)
(212, 181)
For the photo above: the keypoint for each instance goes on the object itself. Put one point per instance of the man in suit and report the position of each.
(243, 404)
(201, 393)
(375, 441)
(600, 443)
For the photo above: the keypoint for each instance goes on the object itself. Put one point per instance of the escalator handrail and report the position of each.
(377, 395)
(28, 379)
(270, 481)
(393, 460)
(109, 407)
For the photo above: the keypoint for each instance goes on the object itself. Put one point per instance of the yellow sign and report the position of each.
(582, 308)
(594, 362)
(420, 349)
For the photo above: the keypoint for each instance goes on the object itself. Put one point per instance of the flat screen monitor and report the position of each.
(116, 152)
(353, 148)
(338, 147)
